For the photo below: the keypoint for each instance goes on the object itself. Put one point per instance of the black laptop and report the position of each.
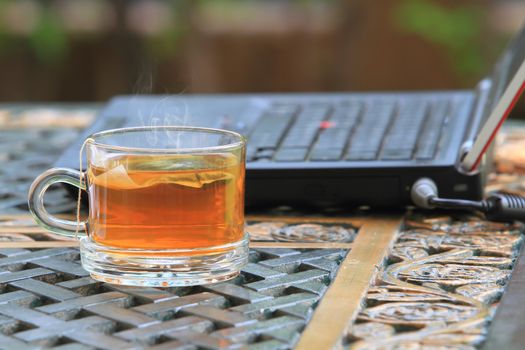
(345, 148)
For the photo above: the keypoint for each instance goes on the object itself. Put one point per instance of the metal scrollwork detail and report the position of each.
(402, 253)
(263, 231)
(417, 314)
(485, 292)
(315, 233)
(443, 278)
(371, 330)
(453, 274)
(281, 231)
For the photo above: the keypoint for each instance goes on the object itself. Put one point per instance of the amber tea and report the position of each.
(166, 205)
(163, 202)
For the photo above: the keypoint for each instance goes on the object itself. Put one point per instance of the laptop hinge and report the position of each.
(478, 114)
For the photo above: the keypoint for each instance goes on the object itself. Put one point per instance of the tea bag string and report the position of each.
(79, 197)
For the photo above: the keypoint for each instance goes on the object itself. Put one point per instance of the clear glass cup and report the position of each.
(166, 205)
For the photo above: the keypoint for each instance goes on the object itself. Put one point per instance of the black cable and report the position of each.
(497, 207)
(457, 204)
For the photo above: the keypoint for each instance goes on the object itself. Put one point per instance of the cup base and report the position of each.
(163, 268)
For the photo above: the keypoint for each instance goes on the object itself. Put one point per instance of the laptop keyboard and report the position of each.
(357, 131)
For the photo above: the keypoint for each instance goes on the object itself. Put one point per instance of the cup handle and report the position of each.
(36, 201)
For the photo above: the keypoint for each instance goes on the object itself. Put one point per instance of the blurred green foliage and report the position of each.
(458, 30)
(49, 39)
(166, 43)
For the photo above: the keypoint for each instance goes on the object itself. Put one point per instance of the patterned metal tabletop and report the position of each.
(49, 300)
(314, 281)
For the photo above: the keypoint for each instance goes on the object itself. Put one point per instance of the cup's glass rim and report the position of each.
(94, 140)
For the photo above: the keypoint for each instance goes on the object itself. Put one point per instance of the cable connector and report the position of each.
(505, 207)
(497, 207)
(423, 190)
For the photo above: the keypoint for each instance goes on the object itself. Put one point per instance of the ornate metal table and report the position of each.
(355, 280)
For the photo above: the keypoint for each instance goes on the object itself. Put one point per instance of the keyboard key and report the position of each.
(397, 154)
(306, 126)
(368, 135)
(330, 144)
(332, 138)
(326, 154)
(264, 153)
(425, 153)
(291, 154)
(300, 136)
(361, 155)
(346, 116)
(401, 138)
(371, 143)
(288, 109)
(269, 131)
(315, 111)
(430, 135)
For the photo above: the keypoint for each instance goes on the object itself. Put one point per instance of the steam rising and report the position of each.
(166, 112)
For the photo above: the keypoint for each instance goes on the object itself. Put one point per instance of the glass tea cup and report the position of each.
(166, 205)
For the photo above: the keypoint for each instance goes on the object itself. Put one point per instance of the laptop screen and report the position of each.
(508, 84)
(507, 67)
